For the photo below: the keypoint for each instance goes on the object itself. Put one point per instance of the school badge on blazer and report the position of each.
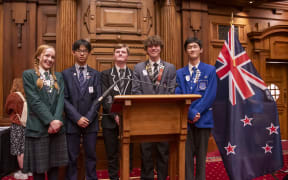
(202, 84)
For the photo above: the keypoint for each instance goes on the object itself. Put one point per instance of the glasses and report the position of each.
(84, 51)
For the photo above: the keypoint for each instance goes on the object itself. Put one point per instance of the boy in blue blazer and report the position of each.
(82, 89)
(197, 78)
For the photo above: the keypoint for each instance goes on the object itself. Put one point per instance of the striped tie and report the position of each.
(47, 79)
(194, 69)
(81, 76)
(122, 71)
(155, 74)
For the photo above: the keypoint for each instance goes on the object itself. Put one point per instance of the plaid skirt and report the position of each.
(43, 153)
(17, 139)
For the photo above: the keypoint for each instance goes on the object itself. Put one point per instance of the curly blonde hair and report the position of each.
(41, 49)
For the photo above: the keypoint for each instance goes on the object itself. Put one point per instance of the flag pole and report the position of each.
(232, 38)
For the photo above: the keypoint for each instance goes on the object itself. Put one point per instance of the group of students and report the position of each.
(52, 141)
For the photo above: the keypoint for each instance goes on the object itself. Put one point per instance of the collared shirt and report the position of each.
(191, 66)
(152, 64)
(118, 68)
(47, 82)
(77, 66)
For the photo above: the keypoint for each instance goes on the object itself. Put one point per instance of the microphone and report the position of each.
(106, 93)
(109, 90)
(157, 85)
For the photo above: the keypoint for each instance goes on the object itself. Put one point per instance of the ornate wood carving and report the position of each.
(168, 32)
(46, 29)
(66, 33)
(19, 17)
(109, 20)
(263, 45)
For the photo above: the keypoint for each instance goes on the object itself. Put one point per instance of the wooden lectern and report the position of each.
(154, 118)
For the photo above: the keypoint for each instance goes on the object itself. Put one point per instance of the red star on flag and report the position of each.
(247, 121)
(267, 149)
(230, 149)
(273, 129)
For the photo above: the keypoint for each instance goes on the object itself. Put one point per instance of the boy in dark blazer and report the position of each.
(110, 121)
(159, 74)
(197, 78)
(82, 89)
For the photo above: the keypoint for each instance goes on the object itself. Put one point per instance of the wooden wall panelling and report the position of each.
(108, 23)
(195, 23)
(168, 32)
(279, 46)
(66, 33)
(215, 42)
(20, 38)
(46, 29)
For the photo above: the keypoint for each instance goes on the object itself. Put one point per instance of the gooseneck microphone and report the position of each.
(108, 90)
(106, 93)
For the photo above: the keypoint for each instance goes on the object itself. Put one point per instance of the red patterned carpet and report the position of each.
(214, 168)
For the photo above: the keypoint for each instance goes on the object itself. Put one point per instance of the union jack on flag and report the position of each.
(246, 126)
(233, 57)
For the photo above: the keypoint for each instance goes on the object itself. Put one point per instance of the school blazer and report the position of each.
(79, 104)
(108, 78)
(206, 87)
(42, 108)
(168, 79)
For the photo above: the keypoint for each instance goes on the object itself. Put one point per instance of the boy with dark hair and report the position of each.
(82, 89)
(197, 78)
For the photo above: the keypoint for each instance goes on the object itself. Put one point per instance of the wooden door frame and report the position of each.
(263, 52)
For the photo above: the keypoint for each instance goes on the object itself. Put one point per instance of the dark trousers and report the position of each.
(112, 150)
(52, 174)
(162, 154)
(196, 145)
(89, 145)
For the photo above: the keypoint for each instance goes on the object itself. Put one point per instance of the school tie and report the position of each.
(47, 78)
(122, 71)
(46, 74)
(194, 69)
(156, 72)
(81, 76)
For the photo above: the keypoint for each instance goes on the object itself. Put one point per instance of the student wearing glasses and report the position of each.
(82, 88)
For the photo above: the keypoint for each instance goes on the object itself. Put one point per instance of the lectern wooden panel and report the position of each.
(154, 118)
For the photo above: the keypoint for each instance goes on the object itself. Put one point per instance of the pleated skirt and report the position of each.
(43, 153)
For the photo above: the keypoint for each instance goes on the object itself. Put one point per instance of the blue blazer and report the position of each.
(206, 87)
(77, 104)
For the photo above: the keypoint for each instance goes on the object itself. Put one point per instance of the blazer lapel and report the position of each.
(75, 78)
(115, 78)
(128, 75)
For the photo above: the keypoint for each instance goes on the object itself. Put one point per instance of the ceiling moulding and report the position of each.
(275, 5)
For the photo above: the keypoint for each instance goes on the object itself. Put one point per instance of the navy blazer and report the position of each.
(206, 87)
(78, 104)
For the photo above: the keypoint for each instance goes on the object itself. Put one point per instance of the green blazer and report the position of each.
(42, 107)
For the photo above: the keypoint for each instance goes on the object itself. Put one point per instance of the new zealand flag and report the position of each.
(246, 127)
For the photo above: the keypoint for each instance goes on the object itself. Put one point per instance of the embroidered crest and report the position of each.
(187, 77)
(202, 84)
